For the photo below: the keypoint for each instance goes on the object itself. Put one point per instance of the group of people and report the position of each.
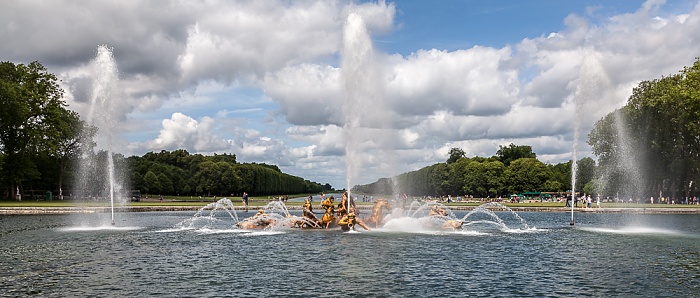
(686, 201)
(587, 201)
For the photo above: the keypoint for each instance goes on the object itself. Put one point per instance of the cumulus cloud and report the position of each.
(465, 82)
(309, 94)
(182, 131)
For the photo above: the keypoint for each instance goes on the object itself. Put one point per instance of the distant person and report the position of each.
(597, 201)
(245, 201)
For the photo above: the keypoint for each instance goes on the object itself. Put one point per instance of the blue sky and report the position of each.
(265, 80)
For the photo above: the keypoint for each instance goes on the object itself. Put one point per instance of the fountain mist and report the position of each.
(627, 158)
(359, 78)
(591, 86)
(91, 182)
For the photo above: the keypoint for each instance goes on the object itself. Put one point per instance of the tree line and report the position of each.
(181, 173)
(651, 146)
(514, 169)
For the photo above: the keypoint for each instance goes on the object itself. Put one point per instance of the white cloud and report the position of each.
(182, 131)
(466, 82)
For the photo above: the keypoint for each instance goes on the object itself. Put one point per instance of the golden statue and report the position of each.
(449, 223)
(308, 213)
(377, 216)
(327, 203)
(260, 220)
(328, 218)
(343, 207)
(437, 211)
(349, 221)
(453, 224)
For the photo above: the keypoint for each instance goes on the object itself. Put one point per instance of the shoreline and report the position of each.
(82, 210)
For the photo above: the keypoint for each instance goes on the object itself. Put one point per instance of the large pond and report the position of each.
(603, 255)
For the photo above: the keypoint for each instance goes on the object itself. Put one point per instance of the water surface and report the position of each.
(604, 255)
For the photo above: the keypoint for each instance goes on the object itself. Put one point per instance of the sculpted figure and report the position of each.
(308, 213)
(377, 216)
(258, 221)
(349, 221)
(328, 218)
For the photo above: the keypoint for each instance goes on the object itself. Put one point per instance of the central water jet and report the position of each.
(103, 116)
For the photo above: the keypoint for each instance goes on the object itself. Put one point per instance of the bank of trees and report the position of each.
(651, 146)
(39, 136)
(181, 173)
(514, 169)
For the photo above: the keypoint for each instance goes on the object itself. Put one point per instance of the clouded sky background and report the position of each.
(263, 79)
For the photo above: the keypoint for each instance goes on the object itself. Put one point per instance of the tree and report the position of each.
(585, 172)
(651, 144)
(151, 183)
(525, 174)
(455, 155)
(166, 185)
(513, 152)
(31, 105)
(439, 179)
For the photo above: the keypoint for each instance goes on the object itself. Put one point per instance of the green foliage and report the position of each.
(586, 170)
(181, 173)
(455, 154)
(35, 128)
(483, 177)
(151, 184)
(660, 123)
(513, 152)
(525, 174)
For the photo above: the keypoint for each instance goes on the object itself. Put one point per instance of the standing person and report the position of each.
(245, 201)
(597, 201)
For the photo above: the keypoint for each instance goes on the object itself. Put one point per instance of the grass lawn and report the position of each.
(262, 201)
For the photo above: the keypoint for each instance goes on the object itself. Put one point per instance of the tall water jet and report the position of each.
(359, 78)
(101, 115)
(591, 86)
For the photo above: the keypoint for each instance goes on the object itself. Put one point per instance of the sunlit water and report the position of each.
(604, 255)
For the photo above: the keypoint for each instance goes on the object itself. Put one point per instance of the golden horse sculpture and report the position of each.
(377, 216)
(349, 221)
(308, 213)
(449, 223)
(260, 220)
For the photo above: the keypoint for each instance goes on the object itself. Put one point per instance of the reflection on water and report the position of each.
(146, 254)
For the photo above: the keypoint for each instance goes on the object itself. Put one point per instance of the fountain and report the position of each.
(364, 108)
(91, 183)
(435, 216)
(626, 159)
(222, 216)
(592, 80)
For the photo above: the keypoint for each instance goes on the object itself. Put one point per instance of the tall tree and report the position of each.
(513, 152)
(455, 154)
(652, 144)
(30, 107)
